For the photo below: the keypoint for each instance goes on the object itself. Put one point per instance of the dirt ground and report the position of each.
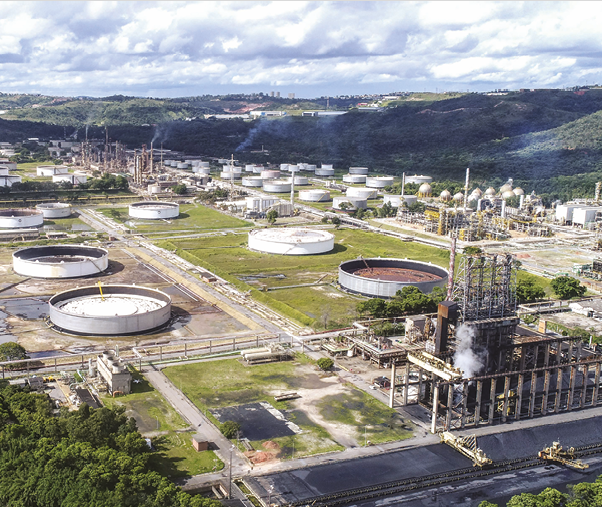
(193, 318)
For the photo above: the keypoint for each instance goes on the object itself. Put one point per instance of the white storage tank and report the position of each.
(201, 170)
(354, 202)
(293, 167)
(55, 209)
(284, 167)
(154, 210)
(252, 181)
(379, 181)
(154, 189)
(222, 160)
(75, 178)
(203, 164)
(358, 170)
(20, 218)
(363, 193)
(51, 170)
(226, 175)
(182, 165)
(291, 241)
(258, 169)
(119, 310)
(310, 168)
(299, 180)
(419, 179)
(174, 163)
(323, 171)
(270, 174)
(60, 261)
(276, 186)
(8, 180)
(410, 199)
(394, 200)
(354, 179)
(326, 166)
(314, 195)
(249, 168)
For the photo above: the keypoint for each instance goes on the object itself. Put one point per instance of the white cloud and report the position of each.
(207, 47)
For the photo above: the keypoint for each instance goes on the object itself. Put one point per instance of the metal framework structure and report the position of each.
(485, 287)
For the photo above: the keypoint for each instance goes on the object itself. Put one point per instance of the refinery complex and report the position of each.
(105, 290)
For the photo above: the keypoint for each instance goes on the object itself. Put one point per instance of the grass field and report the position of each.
(225, 383)
(374, 421)
(171, 436)
(192, 217)
(326, 304)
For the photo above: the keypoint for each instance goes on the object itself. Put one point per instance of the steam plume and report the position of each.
(465, 357)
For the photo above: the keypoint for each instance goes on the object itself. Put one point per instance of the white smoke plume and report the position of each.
(465, 357)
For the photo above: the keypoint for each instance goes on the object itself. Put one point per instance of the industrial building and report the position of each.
(114, 373)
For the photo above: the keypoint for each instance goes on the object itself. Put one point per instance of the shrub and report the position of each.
(230, 429)
(325, 363)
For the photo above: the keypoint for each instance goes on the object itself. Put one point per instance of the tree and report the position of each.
(272, 215)
(230, 429)
(527, 291)
(325, 363)
(567, 287)
(11, 351)
(472, 250)
(179, 189)
(375, 307)
(336, 221)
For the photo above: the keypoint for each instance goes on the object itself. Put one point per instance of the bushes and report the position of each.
(325, 363)
(230, 429)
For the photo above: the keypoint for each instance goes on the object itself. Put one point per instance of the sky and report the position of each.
(312, 49)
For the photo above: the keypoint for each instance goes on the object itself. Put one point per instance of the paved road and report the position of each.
(197, 420)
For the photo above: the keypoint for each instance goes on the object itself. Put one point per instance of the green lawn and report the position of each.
(171, 436)
(225, 383)
(374, 421)
(230, 255)
(192, 217)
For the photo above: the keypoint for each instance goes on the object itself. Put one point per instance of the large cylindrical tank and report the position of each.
(252, 181)
(393, 199)
(291, 241)
(270, 174)
(284, 167)
(201, 170)
(60, 261)
(314, 195)
(276, 186)
(182, 165)
(222, 161)
(154, 210)
(299, 180)
(326, 166)
(20, 218)
(384, 277)
(358, 170)
(354, 179)
(362, 192)
(324, 172)
(174, 163)
(227, 175)
(310, 168)
(379, 181)
(419, 179)
(119, 310)
(55, 209)
(355, 202)
(50, 170)
(203, 164)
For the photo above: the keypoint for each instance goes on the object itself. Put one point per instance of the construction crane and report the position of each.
(557, 454)
(467, 446)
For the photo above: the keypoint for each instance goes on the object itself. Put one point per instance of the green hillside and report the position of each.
(536, 138)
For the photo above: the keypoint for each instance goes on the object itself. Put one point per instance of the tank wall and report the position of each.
(252, 181)
(55, 211)
(283, 248)
(154, 214)
(324, 172)
(314, 195)
(358, 170)
(387, 289)
(354, 178)
(276, 188)
(379, 182)
(364, 193)
(94, 325)
(20, 220)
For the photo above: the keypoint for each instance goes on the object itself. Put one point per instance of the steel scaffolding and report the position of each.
(485, 286)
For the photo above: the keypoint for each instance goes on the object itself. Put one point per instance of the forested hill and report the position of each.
(533, 137)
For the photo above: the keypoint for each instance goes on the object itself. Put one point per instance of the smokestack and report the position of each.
(598, 186)
(292, 190)
(522, 202)
(503, 212)
(151, 159)
(466, 187)
(450, 275)
(403, 184)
